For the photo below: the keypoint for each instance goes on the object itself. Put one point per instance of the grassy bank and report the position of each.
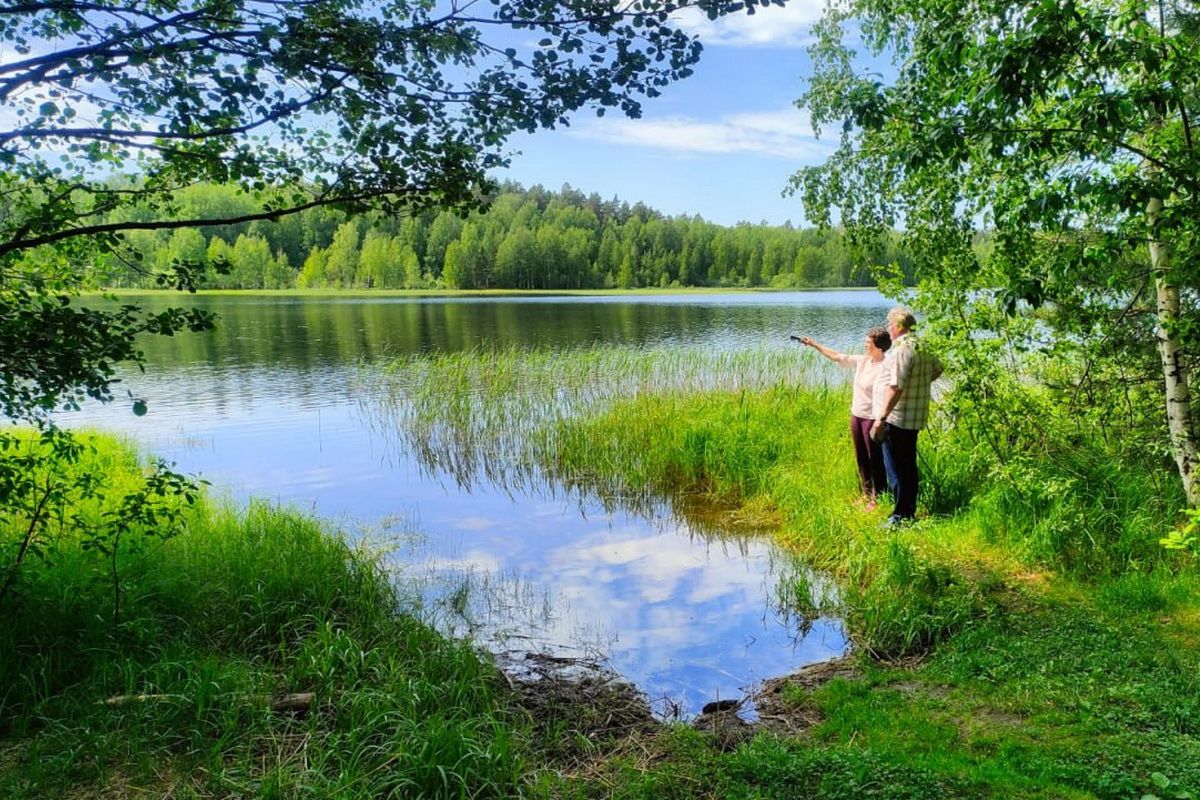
(1009, 646)
(219, 625)
(1029, 637)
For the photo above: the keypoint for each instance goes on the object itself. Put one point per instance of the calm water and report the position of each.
(269, 406)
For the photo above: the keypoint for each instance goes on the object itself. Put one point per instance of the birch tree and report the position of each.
(1062, 133)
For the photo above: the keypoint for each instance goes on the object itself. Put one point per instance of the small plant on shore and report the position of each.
(57, 487)
(1185, 537)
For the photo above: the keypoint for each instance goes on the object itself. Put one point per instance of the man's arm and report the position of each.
(889, 402)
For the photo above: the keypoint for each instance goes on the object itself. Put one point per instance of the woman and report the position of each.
(870, 381)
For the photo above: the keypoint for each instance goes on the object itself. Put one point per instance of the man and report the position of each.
(910, 372)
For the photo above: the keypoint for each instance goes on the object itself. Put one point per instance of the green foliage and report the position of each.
(259, 94)
(341, 259)
(1060, 489)
(525, 239)
(1186, 536)
(1043, 162)
(57, 355)
(54, 482)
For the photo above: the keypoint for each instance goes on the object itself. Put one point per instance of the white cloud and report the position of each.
(783, 133)
(475, 523)
(770, 26)
(472, 563)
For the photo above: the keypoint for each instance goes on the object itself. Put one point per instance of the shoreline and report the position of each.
(451, 293)
(979, 669)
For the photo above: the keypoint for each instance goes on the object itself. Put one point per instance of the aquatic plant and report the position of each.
(498, 414)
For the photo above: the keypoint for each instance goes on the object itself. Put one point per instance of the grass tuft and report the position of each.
(242, 607)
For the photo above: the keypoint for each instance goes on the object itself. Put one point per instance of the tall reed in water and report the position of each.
(497, 414)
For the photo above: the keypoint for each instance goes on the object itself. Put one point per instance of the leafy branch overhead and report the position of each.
(1042, 158)
(395, 104)
(108, 109)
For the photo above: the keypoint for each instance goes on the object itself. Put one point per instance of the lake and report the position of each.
(273, 405)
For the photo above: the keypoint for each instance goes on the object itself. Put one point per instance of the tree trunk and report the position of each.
(1179, 410)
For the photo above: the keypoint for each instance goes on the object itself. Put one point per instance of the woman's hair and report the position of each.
(881, 338)
(903, 317)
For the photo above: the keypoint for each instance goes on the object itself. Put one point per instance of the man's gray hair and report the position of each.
(903, 317)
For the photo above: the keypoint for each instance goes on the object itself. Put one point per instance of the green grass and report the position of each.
(498, 414)
(1027, 638)
(241, 608)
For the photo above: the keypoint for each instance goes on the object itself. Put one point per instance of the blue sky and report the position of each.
(721, 144)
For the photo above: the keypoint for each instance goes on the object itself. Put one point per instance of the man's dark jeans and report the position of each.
(900, 461)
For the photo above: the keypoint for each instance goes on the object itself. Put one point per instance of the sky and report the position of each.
(721, 144)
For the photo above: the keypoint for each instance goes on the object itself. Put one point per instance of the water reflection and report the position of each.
(683, 614)
(270, 405)
(307, 334)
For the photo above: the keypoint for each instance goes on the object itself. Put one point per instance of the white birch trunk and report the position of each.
(1179, 410)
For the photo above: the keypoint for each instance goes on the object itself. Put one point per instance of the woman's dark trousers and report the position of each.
(872, 476)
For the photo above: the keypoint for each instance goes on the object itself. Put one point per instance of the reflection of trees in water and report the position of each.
(317, 332)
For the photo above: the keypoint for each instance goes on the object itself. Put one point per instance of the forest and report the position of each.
(522, 239)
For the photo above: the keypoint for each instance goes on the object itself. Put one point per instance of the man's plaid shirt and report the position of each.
(913, 371)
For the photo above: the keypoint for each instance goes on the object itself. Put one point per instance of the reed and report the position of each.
(497, 415)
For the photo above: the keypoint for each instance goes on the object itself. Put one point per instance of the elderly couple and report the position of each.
(890, 406)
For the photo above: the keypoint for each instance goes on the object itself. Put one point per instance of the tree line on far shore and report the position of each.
(524, 239)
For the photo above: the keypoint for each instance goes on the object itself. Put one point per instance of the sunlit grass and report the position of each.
(241, 607)
(1029, 642)
(497, 414)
